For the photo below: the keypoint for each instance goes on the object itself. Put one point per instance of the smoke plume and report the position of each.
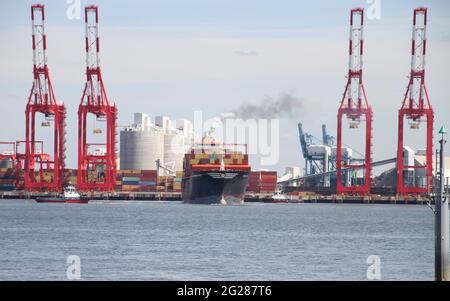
(285, 105)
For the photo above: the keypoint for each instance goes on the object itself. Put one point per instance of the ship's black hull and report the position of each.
(215, 187)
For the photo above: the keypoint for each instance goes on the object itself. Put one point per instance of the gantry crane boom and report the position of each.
(96, 170)
(354, 106)
(42, 100)
(415, 106)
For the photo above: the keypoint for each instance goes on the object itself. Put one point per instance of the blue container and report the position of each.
(7, 187)
(147, 183)
(131, 179)
(130, 182)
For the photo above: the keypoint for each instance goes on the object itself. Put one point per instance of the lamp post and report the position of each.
(441, 261)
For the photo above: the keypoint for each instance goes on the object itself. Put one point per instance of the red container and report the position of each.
(262, 181)
(7, 181)
(147, 188)
(149, 172)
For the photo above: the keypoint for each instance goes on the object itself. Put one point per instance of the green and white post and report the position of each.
(441, 261)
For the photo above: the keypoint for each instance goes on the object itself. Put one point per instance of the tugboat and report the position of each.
(70, 196)
(278, 198)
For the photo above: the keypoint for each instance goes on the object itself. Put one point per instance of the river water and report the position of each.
(175, 241)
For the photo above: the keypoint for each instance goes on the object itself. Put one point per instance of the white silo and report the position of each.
(163, 122)
(187, 130)
(184, 126)
(142, 120)
(139, 149)
(174, 150)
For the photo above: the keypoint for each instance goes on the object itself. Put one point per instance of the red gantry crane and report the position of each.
(415, 108)
(96, 162)
(355, 107)
(42, 100)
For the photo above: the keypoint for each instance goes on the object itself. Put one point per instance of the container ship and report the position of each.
(215, 174)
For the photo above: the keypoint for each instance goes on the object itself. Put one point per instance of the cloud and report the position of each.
(164, 54)
(445, 38)
(138, 55)
(247, 52)
(9, 97)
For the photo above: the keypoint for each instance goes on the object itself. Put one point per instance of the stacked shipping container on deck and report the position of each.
(229, 159)
(136, 181)
(262, 182)
(177, 181)
(165, 184)
(170, 183)
(7, 179)
(148, 181)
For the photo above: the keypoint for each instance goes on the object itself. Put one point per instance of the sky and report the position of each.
(172, 57)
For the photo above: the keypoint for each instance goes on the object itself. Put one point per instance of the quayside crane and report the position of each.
(96, 161)
(416, 109)
(355, 107)
(43, 172)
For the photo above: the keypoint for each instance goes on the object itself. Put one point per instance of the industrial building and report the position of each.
(413, 177)
(143, 143)
(292, 172)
